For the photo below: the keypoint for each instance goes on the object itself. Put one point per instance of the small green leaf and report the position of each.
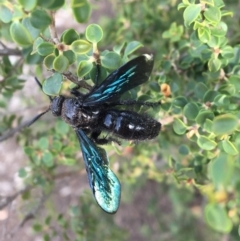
(229, 147)
(224, 124)
(186, 2)
(84, 68)
(18, 12)
(207, 126)
(36, 43)
(184, 150)
(69, 36)
(118, 48)
(48, 61)
(81, 10)
(179, 127)
(60, 63)
(62, 127)
(180, 6)
(131, 47)
(204, 35)
(180, 101)
(111, 60)
(221, 100)
(29, 151)
(5, 14)
(221, 170)
(55, 5)
(210, 96)
(190, 111)
(227, 52)
(57, 145)
(20, 34)
(94, 33)
(191, 13)
(43, 143)
(219, 30)
(45, 48)
(101, 77)
(214, 64)
(40, 19)
(37, 227)
(70, 56)
(203, 116)
(69, 161)
(68, 150)
(226, 13)
(213, 14)
(154, 86)
(174, 34)
(205, 143)
(28, 5)
(22, 173)
(45, 3)
(217, 218)
(200, 89)
(48, 159)
(26, 195)
(81, 46)
(34, 32)
(235, 81)
(219, 3)
(52, 85)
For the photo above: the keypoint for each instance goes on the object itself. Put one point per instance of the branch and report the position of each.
(74, 79)
(52, 29)
(7, 200)
(7, 52)
(30, 215)
(4, 201)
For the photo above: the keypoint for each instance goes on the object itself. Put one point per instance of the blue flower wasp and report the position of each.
(98, 111)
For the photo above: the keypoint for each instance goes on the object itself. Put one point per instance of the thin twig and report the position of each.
(7, 200)
(7, 51)
(73, 78)
(30, 215)
(81, 83)
(52, 29)
(3, 45)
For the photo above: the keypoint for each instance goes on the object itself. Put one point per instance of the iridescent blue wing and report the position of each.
(133, 73)
(105, 185)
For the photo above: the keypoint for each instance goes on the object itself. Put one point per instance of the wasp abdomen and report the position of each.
(130, 125)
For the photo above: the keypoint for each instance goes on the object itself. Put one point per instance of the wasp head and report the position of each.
(56, 105)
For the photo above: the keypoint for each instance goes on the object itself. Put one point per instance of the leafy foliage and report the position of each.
(196, 77)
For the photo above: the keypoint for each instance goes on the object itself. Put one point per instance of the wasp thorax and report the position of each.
(56, 105)
(75, 115)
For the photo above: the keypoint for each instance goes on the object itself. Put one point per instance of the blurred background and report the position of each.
(167, 191)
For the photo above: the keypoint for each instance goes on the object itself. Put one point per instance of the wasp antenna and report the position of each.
(11, 132)
(40, 85)
(38, 82)
(36, 118)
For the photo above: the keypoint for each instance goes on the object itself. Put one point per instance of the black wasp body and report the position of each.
(121, 123)
(96, 111)
(99, 111)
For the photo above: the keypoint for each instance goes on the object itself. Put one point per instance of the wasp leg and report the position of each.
(135, 102)
(103, 141)
(75, 91)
